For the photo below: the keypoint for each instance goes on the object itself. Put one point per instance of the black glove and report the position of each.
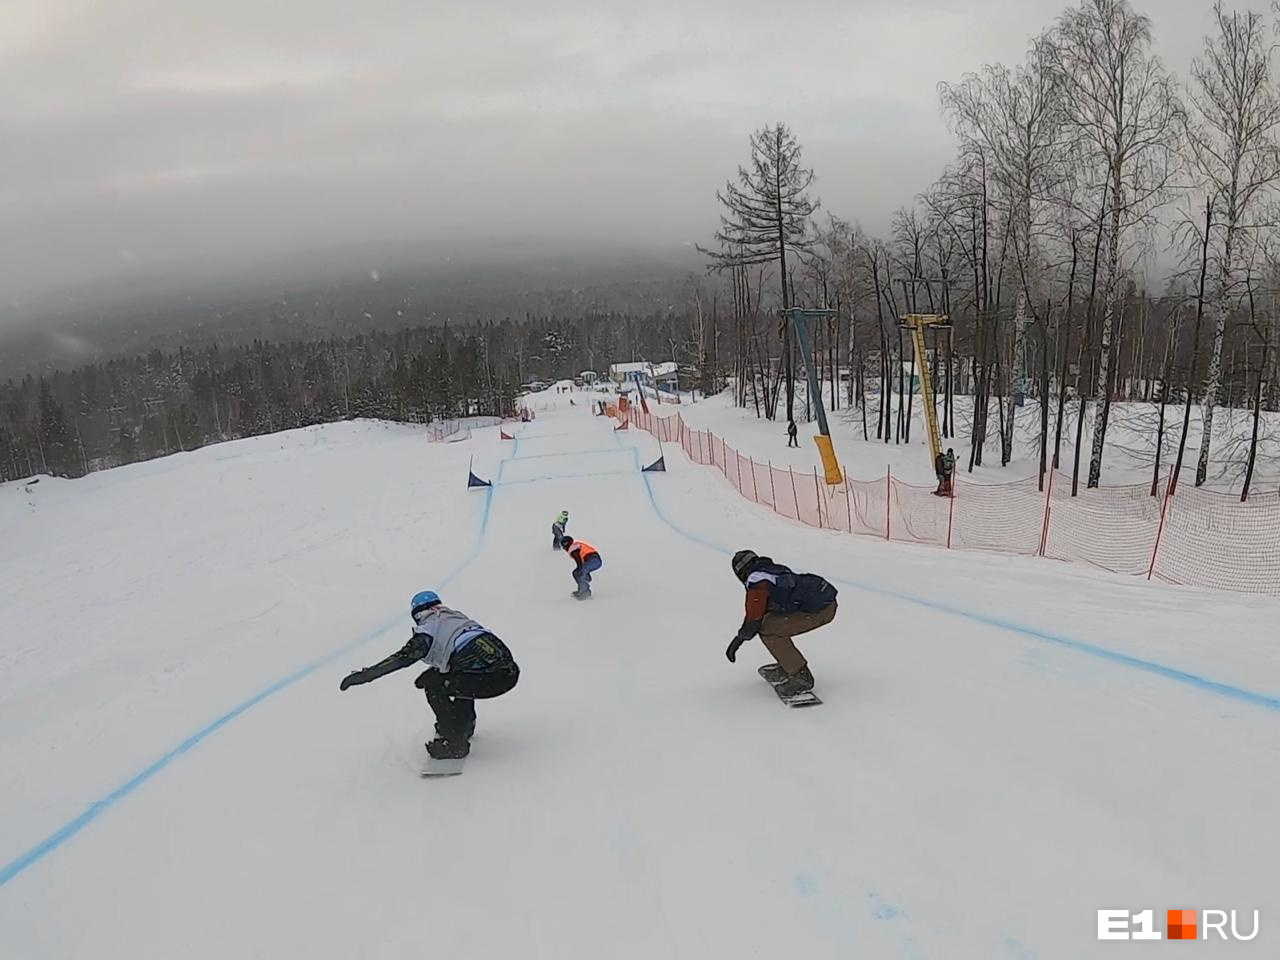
(421, 681)
(732, 652)
(351, 679)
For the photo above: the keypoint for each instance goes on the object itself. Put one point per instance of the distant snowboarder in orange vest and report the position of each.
(586, 560)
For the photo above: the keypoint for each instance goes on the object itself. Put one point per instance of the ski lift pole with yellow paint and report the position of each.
(916, 323)
(800, 320)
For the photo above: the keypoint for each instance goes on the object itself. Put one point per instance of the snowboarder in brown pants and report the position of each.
(781, 604)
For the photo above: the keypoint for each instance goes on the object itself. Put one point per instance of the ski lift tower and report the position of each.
(916, 323)
(800, 319)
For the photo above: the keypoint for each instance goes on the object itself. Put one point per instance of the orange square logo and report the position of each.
(1181, 925)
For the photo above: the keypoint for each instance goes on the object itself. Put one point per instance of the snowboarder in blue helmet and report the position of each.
(465, 663)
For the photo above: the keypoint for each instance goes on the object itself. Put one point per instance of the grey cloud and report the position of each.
(144, 135)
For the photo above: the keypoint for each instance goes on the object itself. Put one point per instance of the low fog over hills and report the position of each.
(349, 289)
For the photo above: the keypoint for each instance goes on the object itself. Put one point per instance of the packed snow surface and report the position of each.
(1006, 745)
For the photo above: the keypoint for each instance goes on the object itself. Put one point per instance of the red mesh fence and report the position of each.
(1110, 527)
(1211, 538)
(1194, 537)
(1002, 517)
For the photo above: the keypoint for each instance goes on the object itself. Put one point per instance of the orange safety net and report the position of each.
(1193, 537)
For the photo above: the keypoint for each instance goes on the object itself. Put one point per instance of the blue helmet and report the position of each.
(422, 600)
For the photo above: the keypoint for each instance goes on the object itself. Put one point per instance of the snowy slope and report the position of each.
(1006, 745)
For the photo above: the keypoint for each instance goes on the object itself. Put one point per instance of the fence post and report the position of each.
(951, 513)
(1164, 506)
(773, 490)
(794, 498)
(888, 498)
(755, 490)
(1044, 529)
(848, 501)
(817, 492)
(738, 457)
(724, 457)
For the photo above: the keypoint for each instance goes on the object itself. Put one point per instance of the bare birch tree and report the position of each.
(1122, 105)
(1231, 134)
(1015, 117)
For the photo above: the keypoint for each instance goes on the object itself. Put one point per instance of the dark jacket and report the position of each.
(773, 588)
(483, 654)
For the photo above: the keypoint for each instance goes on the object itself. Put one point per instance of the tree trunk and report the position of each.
(911, 392)
(1212, 384)
(897, 429)
(1195, 345)
(1066, 352)
(1017, 376)
(949, 410)
(1257, 399)
(933, 376)
(854, 391)
(1044, 396)
(1111, 292)
(862, 394)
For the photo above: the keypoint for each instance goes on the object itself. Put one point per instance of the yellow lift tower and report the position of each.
(916, 323)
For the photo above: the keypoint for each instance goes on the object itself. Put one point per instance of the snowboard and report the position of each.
(806, 699)
(443, 768)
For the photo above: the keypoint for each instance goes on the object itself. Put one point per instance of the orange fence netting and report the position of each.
(1194, 537)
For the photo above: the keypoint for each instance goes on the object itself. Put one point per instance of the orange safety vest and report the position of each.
(583, 549)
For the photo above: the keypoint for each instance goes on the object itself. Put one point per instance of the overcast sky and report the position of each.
(140, 134)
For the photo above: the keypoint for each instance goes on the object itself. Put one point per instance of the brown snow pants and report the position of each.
(777, 629)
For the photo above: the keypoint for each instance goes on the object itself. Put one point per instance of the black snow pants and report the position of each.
(453, 697)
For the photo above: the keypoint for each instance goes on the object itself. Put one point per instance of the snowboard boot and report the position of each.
(799, 682)
(441, 749)
(581, 594)
(468, 732)
(773, 673)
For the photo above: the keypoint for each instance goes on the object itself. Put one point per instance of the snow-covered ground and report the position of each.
(1006, 745)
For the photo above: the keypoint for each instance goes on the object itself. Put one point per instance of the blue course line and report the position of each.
(565, 476)
(1241, 694)
(64, 833)
(569, 453)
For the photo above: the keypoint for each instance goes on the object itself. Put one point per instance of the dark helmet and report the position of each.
(566, 542)
(742, 561)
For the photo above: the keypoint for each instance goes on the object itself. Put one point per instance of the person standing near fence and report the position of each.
(781, 604)
(945, 467)
(791, 435)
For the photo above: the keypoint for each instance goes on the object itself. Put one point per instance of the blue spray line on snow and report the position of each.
(572, 453)
(565, 476)
(99, 807)
(1252, 697)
